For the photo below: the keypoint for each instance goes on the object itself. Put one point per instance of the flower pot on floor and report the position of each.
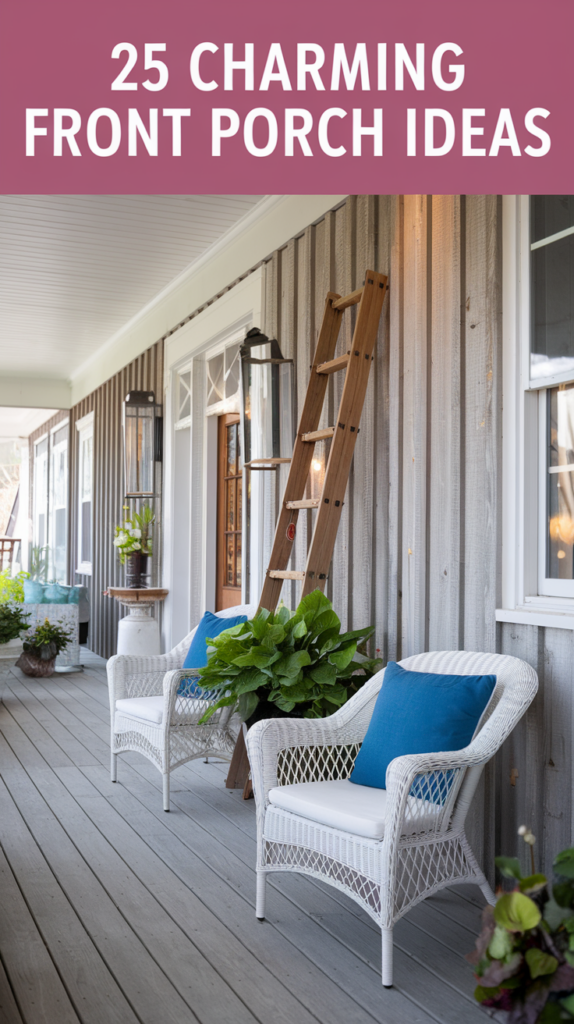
(39, 662)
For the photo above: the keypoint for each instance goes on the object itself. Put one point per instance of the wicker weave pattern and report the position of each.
(428, 795)
(179, 738)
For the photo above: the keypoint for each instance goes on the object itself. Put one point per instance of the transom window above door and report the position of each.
(223, 381)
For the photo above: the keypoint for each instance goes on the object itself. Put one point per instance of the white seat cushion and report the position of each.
(147, 709)
(338, 803)
(344, 805)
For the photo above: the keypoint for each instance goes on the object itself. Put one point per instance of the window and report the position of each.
(223, 381)
(538, 410)
(229, 503)
(58, 502)
(85, 428)
(41, 493)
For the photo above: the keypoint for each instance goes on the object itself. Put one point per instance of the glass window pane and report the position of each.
(230, 505)
(238, 561)
(86, 548)
(239, 497)
(553, 308)
(551, 214)
(231, 450)
(560, 483)
(215, 374)
(86, 460)
(184, 409)
(229, 559)
(59, 436)
(231, 371)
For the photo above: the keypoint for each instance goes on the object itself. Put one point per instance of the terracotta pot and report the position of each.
(136, 571)
(32, 665)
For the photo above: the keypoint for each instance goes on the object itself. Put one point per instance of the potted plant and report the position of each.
(12, 623)
(134, 543)
(41, 648)
(524, 956)
(287, 663)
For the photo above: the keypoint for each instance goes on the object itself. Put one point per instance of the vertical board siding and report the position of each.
(418, 549)
(415, 463)
(146, 374)
(445, 427)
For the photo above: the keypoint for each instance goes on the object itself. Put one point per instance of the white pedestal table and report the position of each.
(138, 631)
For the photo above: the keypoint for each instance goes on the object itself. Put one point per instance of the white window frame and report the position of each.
(44, 457)
(527, 597)
(53, 449)
(85, 429)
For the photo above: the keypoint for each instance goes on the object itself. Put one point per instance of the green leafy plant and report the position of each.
(524, 956)
(297, 662)
(47, 640)
(12, 622)
(12, 587)
(134, 533)
(38, 564)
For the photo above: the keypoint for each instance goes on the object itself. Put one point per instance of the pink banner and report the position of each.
(131, 96)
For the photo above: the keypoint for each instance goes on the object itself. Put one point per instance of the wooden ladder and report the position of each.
(356, 364)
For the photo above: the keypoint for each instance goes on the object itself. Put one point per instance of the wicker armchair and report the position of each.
(149, 716)
(387, 849)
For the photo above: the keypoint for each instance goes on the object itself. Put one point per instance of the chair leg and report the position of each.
(260, 898)
(387, 951)
(114, 768)
(166, 792)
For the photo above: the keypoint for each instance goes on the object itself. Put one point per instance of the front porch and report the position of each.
(112, 910)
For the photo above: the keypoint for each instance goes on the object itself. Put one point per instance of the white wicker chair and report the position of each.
(417, 843)
(152, 719)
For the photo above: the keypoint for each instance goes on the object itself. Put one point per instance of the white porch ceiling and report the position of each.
(75, 269)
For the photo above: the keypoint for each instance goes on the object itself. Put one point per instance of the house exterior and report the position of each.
(445, 540)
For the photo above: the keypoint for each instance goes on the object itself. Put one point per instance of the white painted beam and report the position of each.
(35, 393)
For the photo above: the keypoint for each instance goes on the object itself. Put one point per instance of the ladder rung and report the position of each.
(349, 300)
(264, 463)
(304, 503)
(318, 435)
(286, 574)
(333, 365)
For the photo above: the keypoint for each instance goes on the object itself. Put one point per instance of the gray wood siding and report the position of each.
(419, 547)
(143, 374)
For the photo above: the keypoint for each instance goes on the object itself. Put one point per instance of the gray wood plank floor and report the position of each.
(113, 911)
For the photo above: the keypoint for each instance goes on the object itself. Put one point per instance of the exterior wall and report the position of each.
(144, 374)
(419, 546)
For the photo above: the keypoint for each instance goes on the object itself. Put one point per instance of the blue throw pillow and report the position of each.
(210, 626)
(420, 713)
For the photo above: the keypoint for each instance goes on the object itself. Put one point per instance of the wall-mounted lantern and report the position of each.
(268, 400)
(142, 443)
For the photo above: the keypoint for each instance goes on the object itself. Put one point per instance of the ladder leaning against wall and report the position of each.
(356, 365)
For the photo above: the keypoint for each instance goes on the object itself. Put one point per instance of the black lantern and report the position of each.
(142, 442)
(268, 395)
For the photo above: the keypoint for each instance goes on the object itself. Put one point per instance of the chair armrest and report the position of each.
(133, 676)
(178, 710)
(287, 750)
(428, 804)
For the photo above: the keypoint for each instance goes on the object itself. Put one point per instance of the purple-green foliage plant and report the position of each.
(524, 956)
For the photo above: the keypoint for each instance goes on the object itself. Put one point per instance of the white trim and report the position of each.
(62, 423)
(525, 590)
(85, 421)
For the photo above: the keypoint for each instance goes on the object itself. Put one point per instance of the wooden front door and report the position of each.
(229, 504)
